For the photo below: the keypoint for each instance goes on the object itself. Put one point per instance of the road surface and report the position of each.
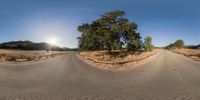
(166, 76)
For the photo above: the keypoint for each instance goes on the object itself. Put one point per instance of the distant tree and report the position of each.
(148, 43)
(179, 43)
(171, 46)
(111, 31)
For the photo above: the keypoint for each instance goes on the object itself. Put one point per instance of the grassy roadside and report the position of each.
(191, 53)
(21, 56)
(118, 61)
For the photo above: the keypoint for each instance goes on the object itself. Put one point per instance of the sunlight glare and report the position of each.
(53, 41)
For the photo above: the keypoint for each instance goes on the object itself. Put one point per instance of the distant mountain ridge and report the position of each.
(28, 45)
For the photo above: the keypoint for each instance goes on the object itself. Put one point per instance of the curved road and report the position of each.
(166, 76)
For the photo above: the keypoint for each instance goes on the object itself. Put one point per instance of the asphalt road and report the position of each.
(166, 76)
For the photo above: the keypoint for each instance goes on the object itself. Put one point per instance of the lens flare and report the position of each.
(53, 41)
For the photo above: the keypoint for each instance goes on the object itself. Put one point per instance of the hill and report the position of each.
(28, 45)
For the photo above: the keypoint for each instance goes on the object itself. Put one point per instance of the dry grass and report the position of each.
(25, 56)
(121, 61)
(192, 53)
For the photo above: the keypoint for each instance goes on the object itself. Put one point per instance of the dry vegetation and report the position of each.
(19, 56)
(117, 61)
(192, 53)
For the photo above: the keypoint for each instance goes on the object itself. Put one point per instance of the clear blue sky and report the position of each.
(38, 20)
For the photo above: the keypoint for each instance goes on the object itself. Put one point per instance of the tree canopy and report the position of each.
(179, 43)
(148, 43)
(111, 31)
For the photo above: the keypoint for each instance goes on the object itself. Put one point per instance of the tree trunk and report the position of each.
(109, 49)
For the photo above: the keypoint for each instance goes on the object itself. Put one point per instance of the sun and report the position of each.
(53, 41)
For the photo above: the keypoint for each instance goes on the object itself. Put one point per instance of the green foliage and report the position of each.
(171, 46)
(90, 39)
(111, 31)
(148, 43)
(178, 44)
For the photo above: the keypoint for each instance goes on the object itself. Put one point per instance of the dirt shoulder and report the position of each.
(22, 56)
(101, 60)
(190, 53)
